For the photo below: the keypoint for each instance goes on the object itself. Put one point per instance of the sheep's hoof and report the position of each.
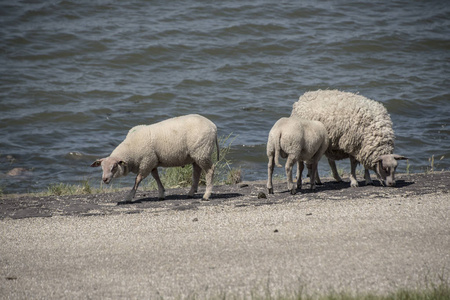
(161, 198)
(293, 191)
(204, 199)
(270, 191)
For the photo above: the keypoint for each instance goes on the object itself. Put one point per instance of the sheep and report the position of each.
(359, 129)
(173, 142)
(297, 140)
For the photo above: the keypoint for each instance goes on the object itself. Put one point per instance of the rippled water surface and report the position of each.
(76, 75)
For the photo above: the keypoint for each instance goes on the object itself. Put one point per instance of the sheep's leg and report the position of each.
(313, 174)
(209, 171)
(289, 164)
(270, 167)
(196, 171)
(309, 170)
(132, 193)
(161, 189)
(353, 164)
(318, 181)
(300, 168)
(332, 164)
(367, 177)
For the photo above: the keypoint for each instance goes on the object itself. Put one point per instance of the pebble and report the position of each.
(18, 172)
(261, 195)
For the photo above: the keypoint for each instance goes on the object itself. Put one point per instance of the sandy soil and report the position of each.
(367, 239)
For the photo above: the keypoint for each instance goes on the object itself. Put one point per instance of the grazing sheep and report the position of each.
(359, 129)
(297, 140)
(171, 143)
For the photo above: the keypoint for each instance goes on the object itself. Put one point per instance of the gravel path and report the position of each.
(370, 239)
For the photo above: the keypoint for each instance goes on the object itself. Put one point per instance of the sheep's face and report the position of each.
(386, 166)
(112, 168)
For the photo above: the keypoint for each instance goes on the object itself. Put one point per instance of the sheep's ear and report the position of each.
(399, 157)
(97, 163)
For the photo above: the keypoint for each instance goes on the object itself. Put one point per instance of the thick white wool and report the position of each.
(356, 125)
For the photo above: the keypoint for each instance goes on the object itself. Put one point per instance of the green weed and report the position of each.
(60, 189)
(84, 188)
(433, 165)
(429, 292)
(407, 166)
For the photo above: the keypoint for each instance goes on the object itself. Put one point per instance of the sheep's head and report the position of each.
(385, 167)
(112, 168)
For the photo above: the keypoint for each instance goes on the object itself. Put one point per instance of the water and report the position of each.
(76, 75)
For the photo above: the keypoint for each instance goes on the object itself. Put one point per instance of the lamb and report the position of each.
(297, 140)
(174, 142)
(359, 129)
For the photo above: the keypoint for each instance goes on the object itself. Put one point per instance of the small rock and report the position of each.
(276, 230)
(75, 155)
(243, 185)
(11, 278)
(309, 214)
(18, 172)
(261, 195)
(195, 220)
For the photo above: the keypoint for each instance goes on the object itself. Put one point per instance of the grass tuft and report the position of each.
(437, 292)
(60, 189)
(429, 292)
(433, 164)
(84, 188)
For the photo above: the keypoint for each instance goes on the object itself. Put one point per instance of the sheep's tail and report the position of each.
(277, 151)
(218, 149)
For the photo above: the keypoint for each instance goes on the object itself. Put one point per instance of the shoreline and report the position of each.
(338, 239)
(246, 193)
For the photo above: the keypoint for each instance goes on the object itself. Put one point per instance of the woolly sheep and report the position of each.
(359, 129)
(297, 140)
(171, 143)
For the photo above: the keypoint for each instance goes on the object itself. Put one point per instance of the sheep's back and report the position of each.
(174, 142)
(356, 125)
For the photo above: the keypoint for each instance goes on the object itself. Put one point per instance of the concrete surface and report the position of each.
(370, 239)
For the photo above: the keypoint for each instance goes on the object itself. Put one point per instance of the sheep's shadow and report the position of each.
(344, 185)
(181, 198)
(402, 183)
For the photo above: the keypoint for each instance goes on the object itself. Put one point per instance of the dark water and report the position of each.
(76, 75)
